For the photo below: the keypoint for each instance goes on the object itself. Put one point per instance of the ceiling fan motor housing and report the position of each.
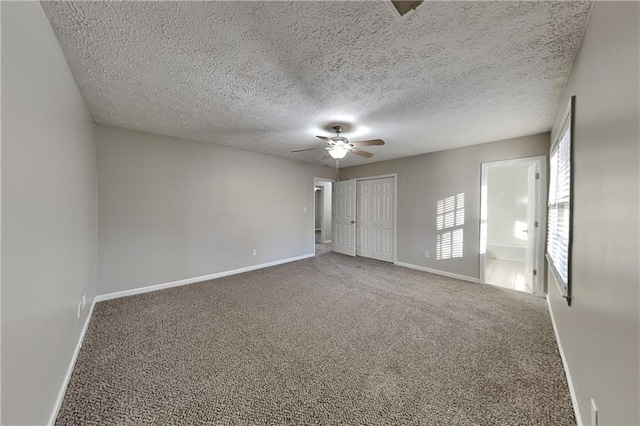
(339, 140)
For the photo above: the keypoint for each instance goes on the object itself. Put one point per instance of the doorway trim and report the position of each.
(539, 279)
(313, 223)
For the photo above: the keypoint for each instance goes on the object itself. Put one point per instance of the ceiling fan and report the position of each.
(339, 146)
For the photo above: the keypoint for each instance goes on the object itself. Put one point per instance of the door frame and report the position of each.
(317, 189)
(395, 209)
(313, 218)
(539, 280)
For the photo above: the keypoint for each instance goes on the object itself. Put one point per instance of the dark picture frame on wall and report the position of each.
(560, 202)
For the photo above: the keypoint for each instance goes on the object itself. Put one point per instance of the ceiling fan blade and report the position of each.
(364, 154)
(309, 149)
(324, 138)
(368, 143)
(326, 156)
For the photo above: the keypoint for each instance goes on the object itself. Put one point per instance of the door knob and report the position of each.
(353, 221)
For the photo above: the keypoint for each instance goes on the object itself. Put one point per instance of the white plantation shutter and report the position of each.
(559, 206)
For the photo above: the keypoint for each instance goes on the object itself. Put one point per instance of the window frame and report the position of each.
(443, 227)
(567, 125)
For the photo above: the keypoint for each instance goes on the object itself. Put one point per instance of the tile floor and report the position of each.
(506, 273)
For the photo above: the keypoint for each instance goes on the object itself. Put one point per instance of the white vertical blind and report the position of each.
(560, 204)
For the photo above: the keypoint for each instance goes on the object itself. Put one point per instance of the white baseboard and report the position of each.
(438, 272)
(572, 391)
(72, 364)
(201, 278)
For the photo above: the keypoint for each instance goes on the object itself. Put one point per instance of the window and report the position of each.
(559, 206)
(450, 214)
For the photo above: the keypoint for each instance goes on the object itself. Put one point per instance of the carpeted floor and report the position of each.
(327, 340)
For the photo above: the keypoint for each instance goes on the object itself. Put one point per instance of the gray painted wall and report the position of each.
(172, 209)
(425, 179)
(600, 332)
(49, 215)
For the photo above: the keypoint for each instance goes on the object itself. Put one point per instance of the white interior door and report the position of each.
(344, 219)
(364, 220)
(374, 218)
(384, 219)
(530, 255)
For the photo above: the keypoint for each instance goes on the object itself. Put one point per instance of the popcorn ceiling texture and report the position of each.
(268, 76)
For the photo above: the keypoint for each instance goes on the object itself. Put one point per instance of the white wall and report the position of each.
(425, 179)
(506, 205)
(600, 331)
(49, 215)
(173, 209)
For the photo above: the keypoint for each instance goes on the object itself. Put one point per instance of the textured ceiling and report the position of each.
(268, 76)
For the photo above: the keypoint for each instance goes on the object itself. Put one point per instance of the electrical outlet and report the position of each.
(254, 252)
(426, 254)
(84, 300)
(79, 308)
(304, 209)
(594, 413)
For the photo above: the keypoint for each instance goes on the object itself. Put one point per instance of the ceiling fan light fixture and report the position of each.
(338, 152)
(339, 146)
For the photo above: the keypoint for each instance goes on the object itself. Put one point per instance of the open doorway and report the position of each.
(322, 215)
(511, 228)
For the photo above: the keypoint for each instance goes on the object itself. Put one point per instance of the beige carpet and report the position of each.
(328, 340)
